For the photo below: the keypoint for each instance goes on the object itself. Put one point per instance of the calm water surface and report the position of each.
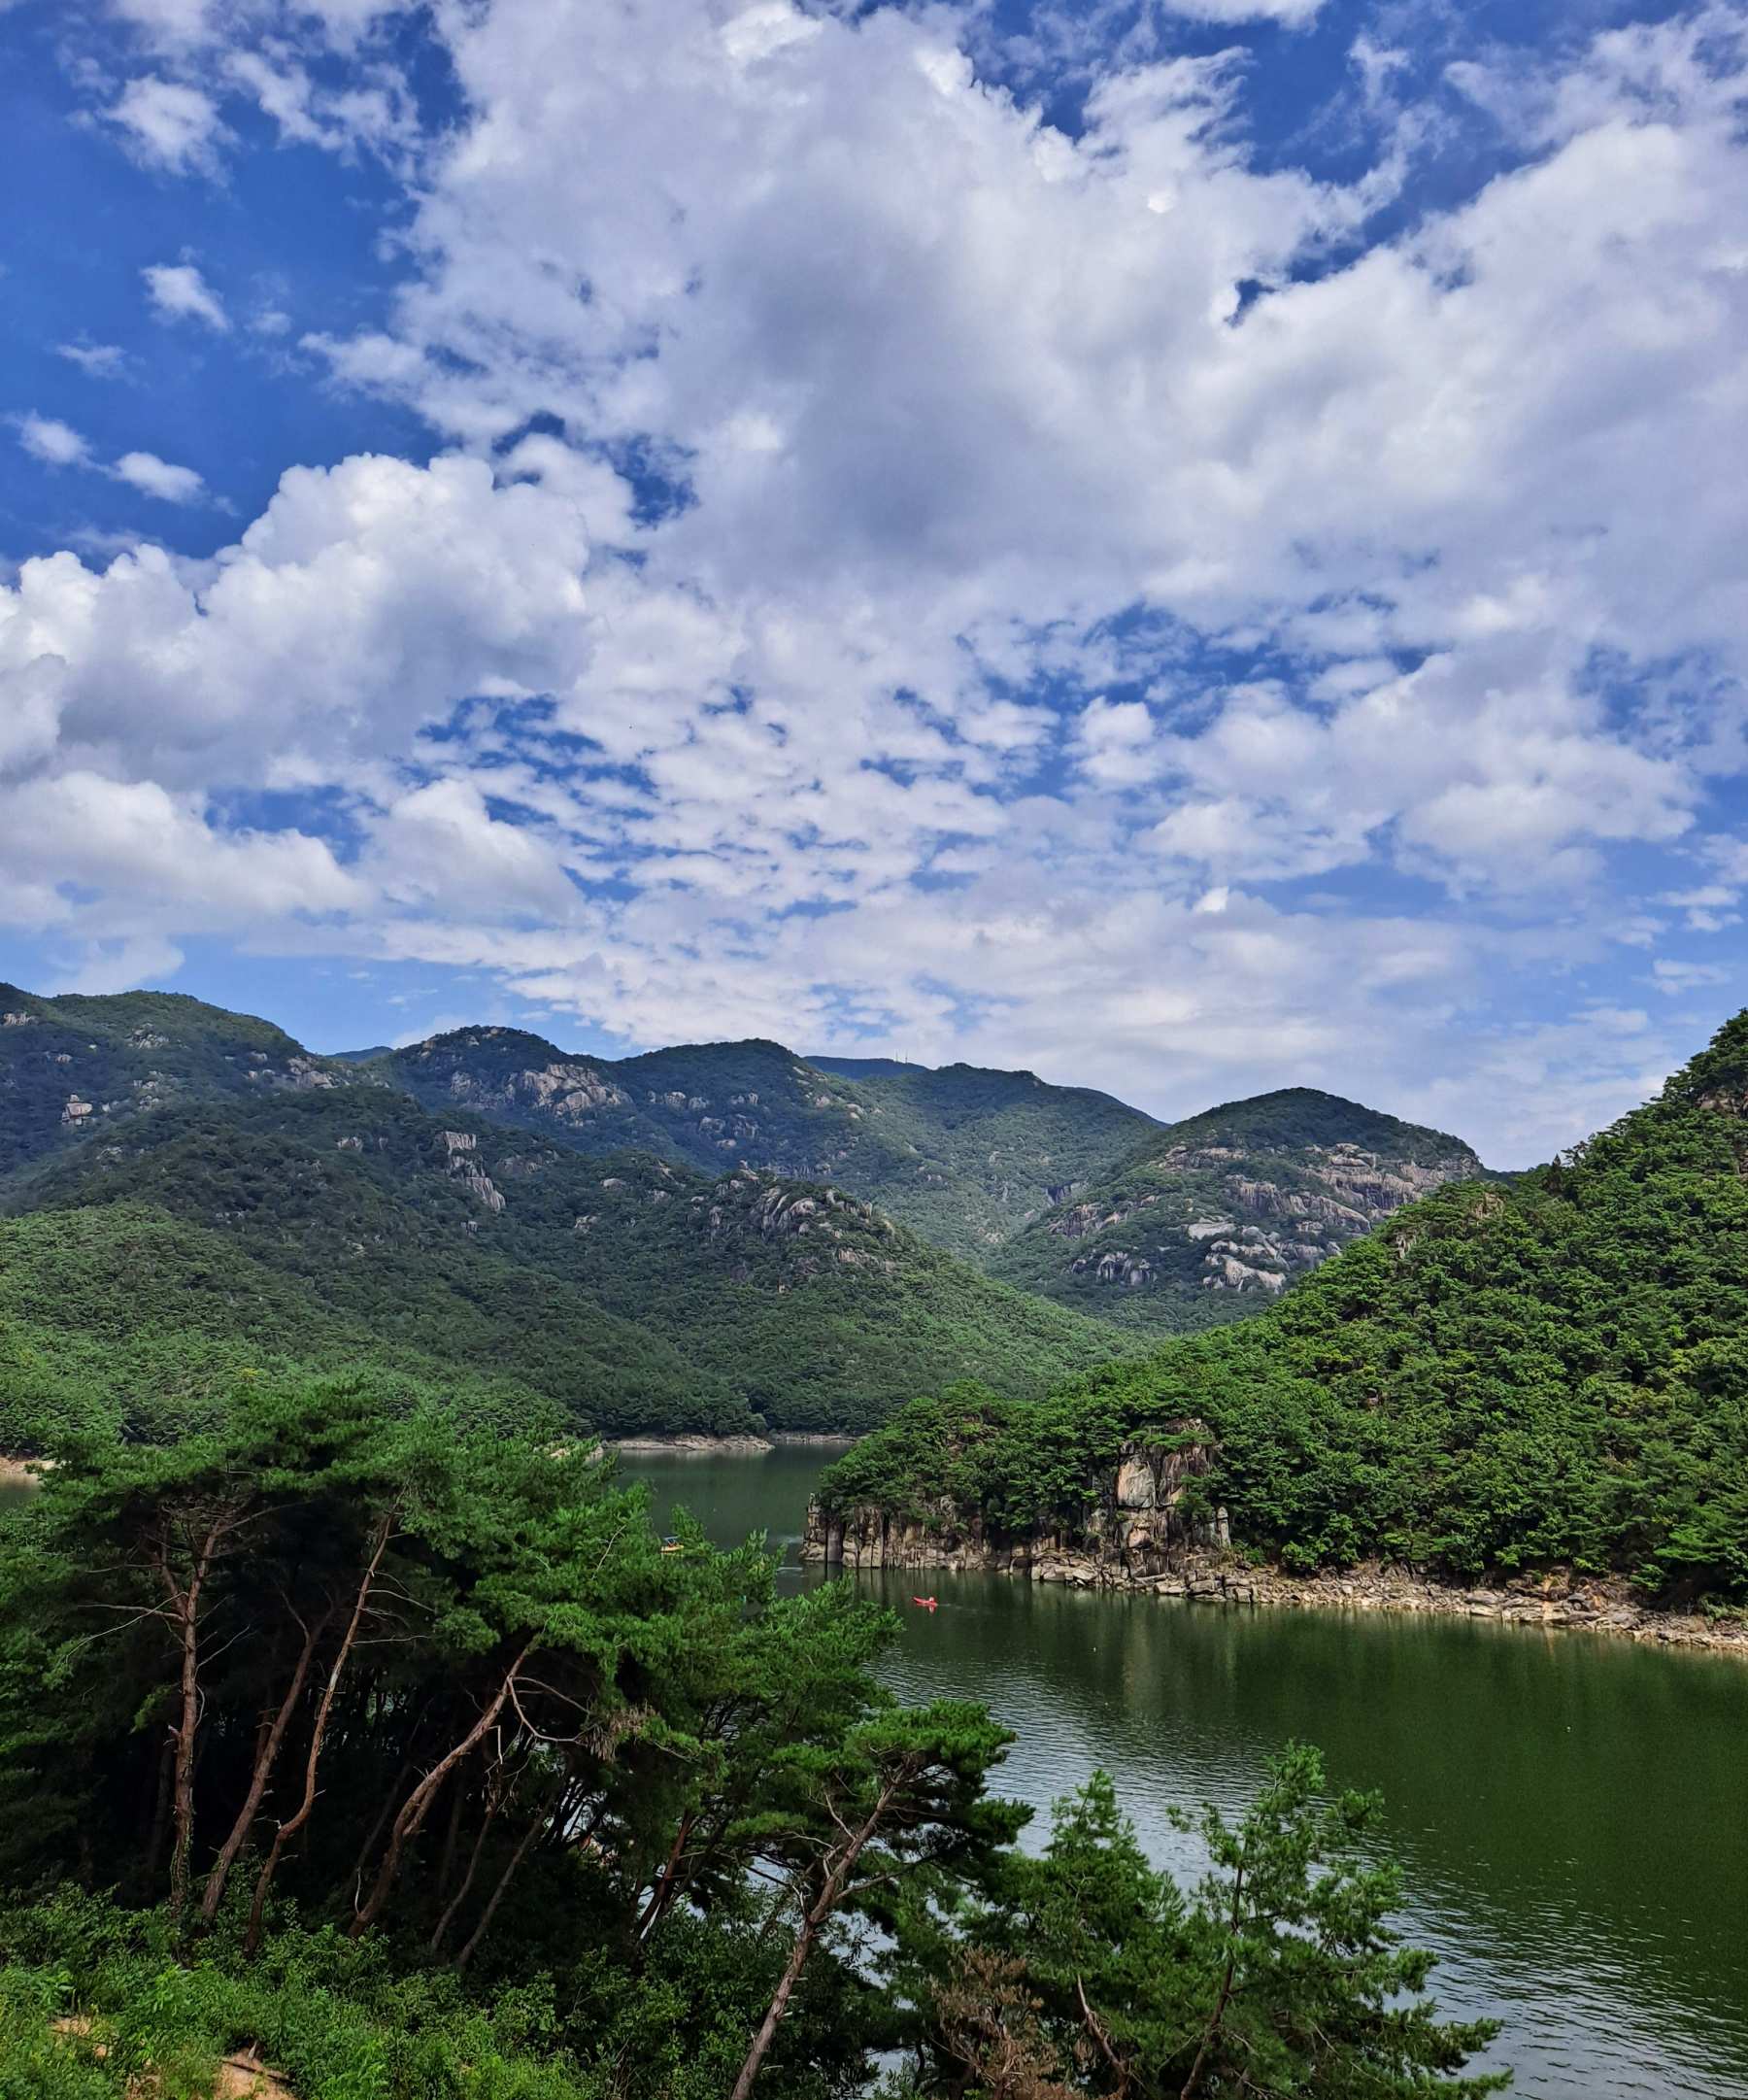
(1572, 1813)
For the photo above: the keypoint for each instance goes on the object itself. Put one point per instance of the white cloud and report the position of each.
(178, 24)
(179, 292)
(366, 599)
(440, 845)
(118, 966)
(1294, 14)
(96, 360)
(155, 477)
(170, 125)
(169, 22)
(53, 443)
(1675, 977)
(148, 850)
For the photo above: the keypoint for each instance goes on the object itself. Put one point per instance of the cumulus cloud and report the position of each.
(170, 125)
(53, 443)
(366, 601)
(110, 864)
(155, 477)
(58, 444)
(1296, 13)
(179, 292)
(184, 24)
(96, 360)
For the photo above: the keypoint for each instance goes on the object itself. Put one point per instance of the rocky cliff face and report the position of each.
(1216, 1217)
(1145, 1522)
(1201, 1568)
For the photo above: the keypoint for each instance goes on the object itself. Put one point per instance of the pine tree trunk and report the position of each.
(497, 1894)
(831, 1894)
(186, 1606)
(283, 1836)
(417, 1803)
(266, 1757)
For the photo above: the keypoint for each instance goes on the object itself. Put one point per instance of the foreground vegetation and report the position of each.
(416, 1764)
(1550, 1374)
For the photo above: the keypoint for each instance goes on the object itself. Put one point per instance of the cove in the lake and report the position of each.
(1571, 1812)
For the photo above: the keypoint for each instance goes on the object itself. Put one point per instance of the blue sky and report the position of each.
(1190, 545)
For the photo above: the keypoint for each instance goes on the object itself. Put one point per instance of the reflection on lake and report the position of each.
(1572, 1813)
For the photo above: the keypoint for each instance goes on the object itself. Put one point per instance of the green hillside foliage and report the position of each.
(1206, 1220)
(1553, 1372)
(634, 1294)
(963, 1155)
(122, 1320)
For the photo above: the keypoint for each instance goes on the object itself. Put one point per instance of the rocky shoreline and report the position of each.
(699, 1445)
(689, 1445)
(871, 1538)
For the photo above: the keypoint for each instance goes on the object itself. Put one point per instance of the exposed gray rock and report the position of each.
(1131, 1542)
(568, 1090)
(458, 1148)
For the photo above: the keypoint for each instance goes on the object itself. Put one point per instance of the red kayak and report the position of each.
(928, 1603)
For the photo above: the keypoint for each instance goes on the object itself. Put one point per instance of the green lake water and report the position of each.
(1572, 1813)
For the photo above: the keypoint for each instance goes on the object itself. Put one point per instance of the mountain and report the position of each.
(70, 1066)
(964, 1156)
(1209, 1219)
(635, 1292)
(690, 1236)
(1548, 1374)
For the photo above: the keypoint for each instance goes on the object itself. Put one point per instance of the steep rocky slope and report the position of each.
(965, 1156)
(1210, 1218)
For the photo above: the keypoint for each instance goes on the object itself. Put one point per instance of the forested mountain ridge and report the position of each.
(70, 1065)
(1061, 1191)
(692, 1237)
(1207, 1218)
(633, 1291)
(1547, 1373)
(964, 1155)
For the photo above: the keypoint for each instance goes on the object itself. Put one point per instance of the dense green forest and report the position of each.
(630, 1293)
(1551, 1373)
(1207, 1220)
(413, 1764)
(123, 1318)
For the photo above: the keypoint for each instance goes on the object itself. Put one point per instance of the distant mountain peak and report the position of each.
(1210, 1217)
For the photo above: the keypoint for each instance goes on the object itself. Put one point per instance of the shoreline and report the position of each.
(1561, 1601)
(20, 1471)
(690, 1444)
(696, 1443)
